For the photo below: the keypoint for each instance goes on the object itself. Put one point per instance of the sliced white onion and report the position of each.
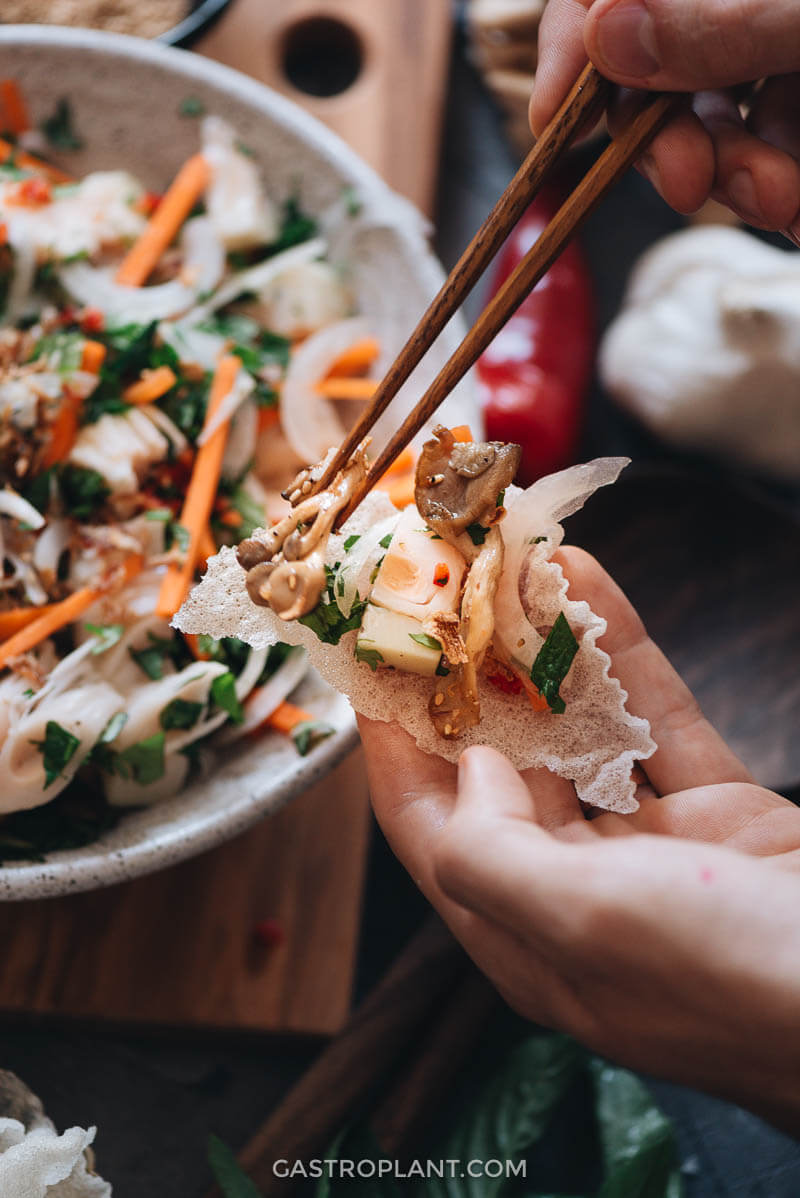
(195, 346)
(235, 201)
(266, 698)
(22, 280)
(168, 427)
(12, 504)
(204, 263)
(241, 443)
(310, 423)
(243, 385)
(50, 545)
(24, 572)
(359, 562)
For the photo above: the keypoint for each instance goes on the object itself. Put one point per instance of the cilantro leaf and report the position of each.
(370, 657)
(57, 749)
(149, 659)
(83, 491)
(59, 128)
(143, 761)
(310, 733)
(351, 541)
(107, 635)
(180, 713)
(296, 226)
(223, 692)
(428, 642)
(386, 541)
(553, 662)
(477, 533)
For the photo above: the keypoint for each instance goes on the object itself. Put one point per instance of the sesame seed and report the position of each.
(292, 582)
(438, 699)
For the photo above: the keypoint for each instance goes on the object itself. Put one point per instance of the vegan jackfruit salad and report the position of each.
(165, 360)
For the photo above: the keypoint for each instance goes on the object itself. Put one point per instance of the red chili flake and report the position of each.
(506, 683)
(92, 320)
(441, 575)
(30, 193)
(269, 932)
(147, 202)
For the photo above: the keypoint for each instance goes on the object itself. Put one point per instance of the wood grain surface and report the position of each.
(180, 947)
(714, 569)
(392, 112)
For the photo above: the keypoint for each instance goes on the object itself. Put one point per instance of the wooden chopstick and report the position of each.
(609, 167)
(587, 97)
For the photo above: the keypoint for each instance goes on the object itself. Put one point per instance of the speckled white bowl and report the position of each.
(125, 95)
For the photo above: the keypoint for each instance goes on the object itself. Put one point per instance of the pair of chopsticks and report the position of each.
(587, 98)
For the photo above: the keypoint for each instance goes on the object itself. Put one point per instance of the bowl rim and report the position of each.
(93, 866)
(196, 22)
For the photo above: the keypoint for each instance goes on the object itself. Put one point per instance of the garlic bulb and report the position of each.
(706, 350)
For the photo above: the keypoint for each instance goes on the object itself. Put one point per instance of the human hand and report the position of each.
(667, 940)
(704, 47)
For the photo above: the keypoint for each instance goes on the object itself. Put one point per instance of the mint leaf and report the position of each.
(351, 541)
(223, 692)
(57, 749)
(370, 657)
(180, 713)
(386, 541)
(553, 661)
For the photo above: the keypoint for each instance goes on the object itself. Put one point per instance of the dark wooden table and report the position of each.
(711, 561)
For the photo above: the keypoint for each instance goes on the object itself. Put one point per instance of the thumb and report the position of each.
(691, 45)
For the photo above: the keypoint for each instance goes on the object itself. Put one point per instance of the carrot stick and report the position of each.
(200, 493)
(15, 113)
(286, 717)
(207, 546)
(462, 432)
(193, 645)
(31, 163)
(356, 359)
(400, 490)
(57, 615)
(345, 388)
(404, 462)
(266, 418)
(150, 385)
(19, 617)
(63, 431)
(93, 356)
(179, 199)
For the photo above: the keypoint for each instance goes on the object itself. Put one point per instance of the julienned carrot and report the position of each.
(200, 493)
(19, 617)
(400, 490)
(462, 432)
(207, 546)
(21, 158)
(15, 112)
(404, 462)
(93, 355)
(179, 199)
(57, 615)
(346, 388)
(356, 359)
(150, 385)
(286, 717)
(266, 418)
(193, 645)
(63, 431)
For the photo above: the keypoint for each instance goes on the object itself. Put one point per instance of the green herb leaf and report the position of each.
(179, 535)
(162, 514)
(107, 635)
(353, 205)
(180, 713)
(57, 749)
(296, 226)
(386, 541)
(553, 662)
(150, 660)
(75, 817)
(326, 621)
(351, 541)
(83, 491)
(143, 761)
(191, 106)
(230, 1178)
(370, 657)
(59, 128)
(223, 692)
(429, 642)
(113, 728)
(310, 733)
(500, 498)
(63, 351)
(637, 1140)
(477, 533)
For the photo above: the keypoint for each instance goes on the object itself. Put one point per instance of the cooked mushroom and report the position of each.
(459, 483)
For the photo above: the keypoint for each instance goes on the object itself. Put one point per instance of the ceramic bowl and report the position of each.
(126, 97)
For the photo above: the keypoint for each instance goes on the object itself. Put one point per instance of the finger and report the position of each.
(489, 784)
(760, 182)
(683, 45)
(775, 114)
(562, 57)
(679, 161)
(690, 752)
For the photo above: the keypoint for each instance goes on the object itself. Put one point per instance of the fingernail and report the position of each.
(626, 40)
(742, 193)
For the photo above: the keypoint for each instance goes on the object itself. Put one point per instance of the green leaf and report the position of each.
(310, 733)
(178, 535)
(326, 621)
(500, 498)
(386, 541)
(63, 351)
(357, 1144)
(296, 226)
(83, 491)
(143, 761)
(553, 661)
(191, 106)
(107, 635)
(180, 713)
(57, 749)
(151, 660)
(228, 1173)
(162, 514)
(370, 657)
(352, 203)
(429, 642)
(639, 1151)
(113, 728)
(75, 817)
(477, 533)
(223, 692)
(351, 541)
(59, 128)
